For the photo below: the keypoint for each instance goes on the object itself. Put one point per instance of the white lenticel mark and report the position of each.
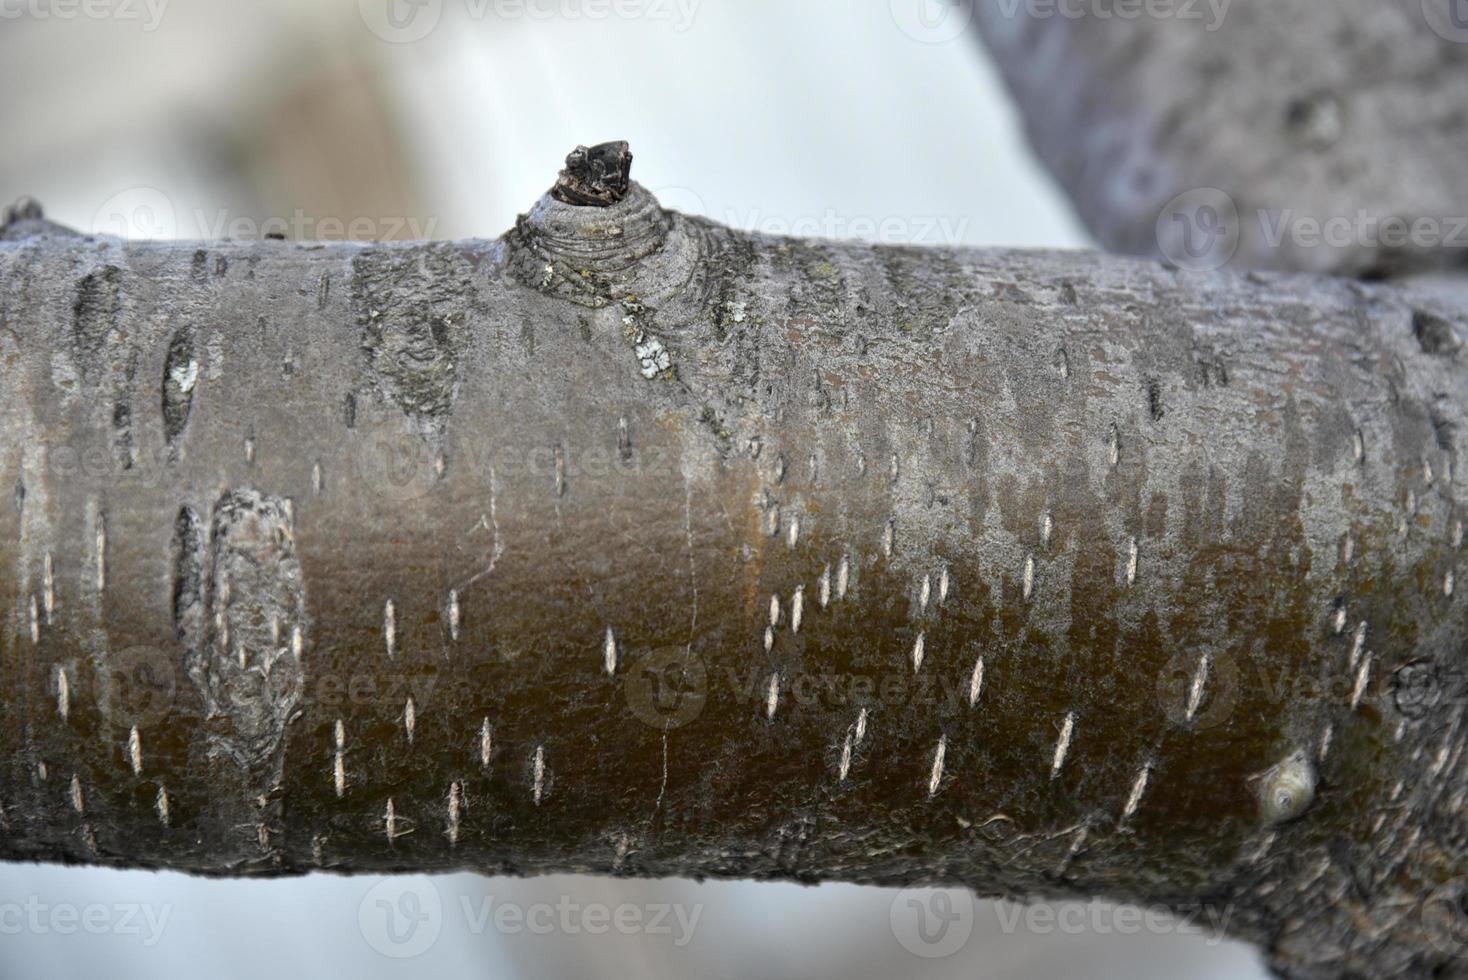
(78, 801)
(455, 797)
(924, 593)
(917, 653)
(772, 696)
(943, 584)
(485, 743)
(1131, 562)
(390, 820)
(410, 718)
(390, 627)
(1062, 745)
(1028, 583)
(454, 614)
(316, 478)
(1338, 624)
(769, 639)
(793, 535)
(48, 592)
(1200, 680)
(609, 653)
(1139, 786)
(935, 777)
(539, 770)
(1358, 446)
(160, 805)
(1448, 582)
(889, 534)
(298, 641)
(775, 610)
(797, 608)
(101, 555)
(861, 725)
(1114, 447)
(1325, 737)
(976, 682)
(135, 750)
(1358, 642)
(339, 775)
(1363, 674)
(845, 759)
(1458, 534)
(824, 591)
(63, 693)
(35, 623)
(843, 577)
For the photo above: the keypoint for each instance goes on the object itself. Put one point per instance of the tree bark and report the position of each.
(631, 544)
(1322, 135)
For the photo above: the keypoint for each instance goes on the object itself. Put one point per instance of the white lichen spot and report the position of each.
(538, 772)
(454, 615)
(390, 820)
(924, 592)
(456, 794)
(410, 718)
(390, 628)
(1338, 622)
(1200, 681)
(792, 536)
(185, 376)
(653, 357)
(486, 743)
(35, 618)
(609, 653)
(78, 801)
(1047, 527)
(48, 587)
(1288, 789)
(769, 639)
(797, 608)
(1113, 446)
(298, 641)
(772, 696)
(340, 733)
(843, 577)
(1358, 446)
(1027, 583)
(824, 592)
(845, 766)
(943, 584)
(774, 609)
(861, 725)
(1325, 736)
(917, 652)
(160, 806)
(1448, 582)
(1358, 643)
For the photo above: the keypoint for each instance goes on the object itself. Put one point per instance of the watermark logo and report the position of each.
(146, 13)
(932, 21)
(932, 923)
(1199, 230)
(1448, 19)
(136, 686)
(667, 688)
(401, 21)
(38, 918)
(137, 213)
(401, 917)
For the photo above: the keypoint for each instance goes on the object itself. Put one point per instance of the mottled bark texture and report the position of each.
(1351, 111)
(630, 544)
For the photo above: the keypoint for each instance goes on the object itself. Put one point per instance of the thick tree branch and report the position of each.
(630, 544)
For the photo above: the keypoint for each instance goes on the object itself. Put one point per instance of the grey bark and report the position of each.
(631, 544)
(1349, 111)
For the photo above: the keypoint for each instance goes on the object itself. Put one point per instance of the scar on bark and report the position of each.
(597, 176)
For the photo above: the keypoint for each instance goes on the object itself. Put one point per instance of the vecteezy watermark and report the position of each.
(135, 919)
(404, 917)
(147, 13)
(1200, 230)
(907, 229)
(1448, 18)
(406, 21)
(932, 922)
(143, 213)
(1098, 918)
(937, 21)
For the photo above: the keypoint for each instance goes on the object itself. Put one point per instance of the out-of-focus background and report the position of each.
(445, 119)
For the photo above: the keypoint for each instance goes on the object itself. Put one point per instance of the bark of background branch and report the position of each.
(1350, 111)
(630, 544)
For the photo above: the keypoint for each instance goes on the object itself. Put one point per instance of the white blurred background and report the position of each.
(444, 119)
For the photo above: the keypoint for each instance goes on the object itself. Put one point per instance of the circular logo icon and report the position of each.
(400, 21)
(401, 917)
(1196, 692)
(1447, 18)
(932, 21)
(932, 922)
(1444, 918)
(667, 688)
(1199, 230)
(137, 213)
(399, 466)
(136, 686)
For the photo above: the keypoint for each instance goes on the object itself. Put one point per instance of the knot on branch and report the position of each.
(596, 176)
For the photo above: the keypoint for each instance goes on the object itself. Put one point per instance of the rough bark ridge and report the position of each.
(631, 544)
(1349, 111)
